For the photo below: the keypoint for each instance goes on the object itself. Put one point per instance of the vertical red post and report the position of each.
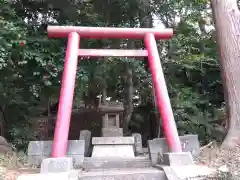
(60, 140)
(162, 97)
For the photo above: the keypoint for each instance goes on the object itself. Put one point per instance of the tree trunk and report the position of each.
(202, 27)
(128, 99)
(104, 95)
(128, 92)
(227, 24)
(2, 120)
(146, 21)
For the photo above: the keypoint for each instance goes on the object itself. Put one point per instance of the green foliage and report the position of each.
(31, 74)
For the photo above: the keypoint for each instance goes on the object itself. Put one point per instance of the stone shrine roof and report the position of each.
(106, 108)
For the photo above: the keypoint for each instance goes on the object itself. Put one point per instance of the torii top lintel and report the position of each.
(109, 32)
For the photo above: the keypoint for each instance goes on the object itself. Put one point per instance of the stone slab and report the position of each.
(113, 151)
(170, 174)
(117, 174)
(52, 165)
(138, 143)
(86, 136)
(113, 163)
(124, 174)
(49, 176)
(177, 159)
(188, 172)
(112, 132)
(113, 140)
(160, 173)
(39, 150)
(158, 146)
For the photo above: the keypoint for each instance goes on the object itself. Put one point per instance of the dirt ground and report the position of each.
(12, 165)
(226, 162)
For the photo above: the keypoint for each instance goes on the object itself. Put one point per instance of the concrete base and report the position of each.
(52, 165)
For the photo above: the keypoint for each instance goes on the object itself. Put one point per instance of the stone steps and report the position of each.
(113, 163)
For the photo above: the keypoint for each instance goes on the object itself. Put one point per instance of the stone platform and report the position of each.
(118, 158)
(138, 168)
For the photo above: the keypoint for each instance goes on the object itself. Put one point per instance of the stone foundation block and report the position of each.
(54, 165)
(177, 159)
(39, 150)
(157, 147)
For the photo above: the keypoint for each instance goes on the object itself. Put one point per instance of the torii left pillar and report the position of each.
(66, 96)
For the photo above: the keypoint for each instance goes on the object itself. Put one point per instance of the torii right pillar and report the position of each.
(162, 97)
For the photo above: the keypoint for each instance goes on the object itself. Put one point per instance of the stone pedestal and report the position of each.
(113, 147)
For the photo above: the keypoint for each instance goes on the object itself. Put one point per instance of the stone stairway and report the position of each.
(113, 158)
(137, 168)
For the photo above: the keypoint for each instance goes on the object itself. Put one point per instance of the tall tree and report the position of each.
(227, 23)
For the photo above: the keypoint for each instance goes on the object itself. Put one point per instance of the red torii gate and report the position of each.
(74, 34)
